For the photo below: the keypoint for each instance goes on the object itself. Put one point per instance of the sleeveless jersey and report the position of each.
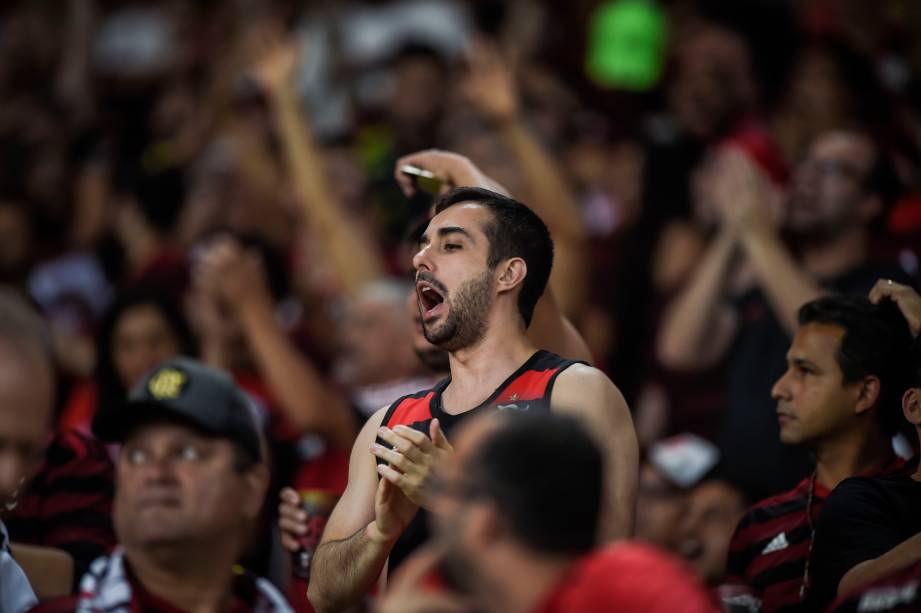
(528, 390)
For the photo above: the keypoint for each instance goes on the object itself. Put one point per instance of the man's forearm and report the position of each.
(356, 262)
(687, 330)
(300, 390)
(900, 556)
(343, 571)
(785, 283)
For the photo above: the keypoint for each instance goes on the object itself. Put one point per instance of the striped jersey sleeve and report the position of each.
(68, 505)
(769, 549)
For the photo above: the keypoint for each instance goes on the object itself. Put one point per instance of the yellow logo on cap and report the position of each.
(167, 384)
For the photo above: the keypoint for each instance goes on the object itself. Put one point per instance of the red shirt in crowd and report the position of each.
(628, 577)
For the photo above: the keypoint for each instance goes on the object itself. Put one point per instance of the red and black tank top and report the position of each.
(527, 390)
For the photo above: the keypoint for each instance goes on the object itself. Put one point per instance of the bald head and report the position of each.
(26, 391)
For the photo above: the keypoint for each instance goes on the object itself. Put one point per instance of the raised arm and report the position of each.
(237, 279)
(748, 206)
(699, 324)
(354, 258)
(491, 88)
(587, 394)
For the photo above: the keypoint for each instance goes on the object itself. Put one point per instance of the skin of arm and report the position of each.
(699, 325)
(354, 258)
(587, 394)
(238, 279)
(491, 88)
(745, 204)
(904, 554)
(362, 529)
(785, 283)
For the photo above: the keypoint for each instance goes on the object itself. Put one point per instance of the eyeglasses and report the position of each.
(830, 167)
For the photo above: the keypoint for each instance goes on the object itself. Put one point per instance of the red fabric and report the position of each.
(530, 385)
(412, 410)
(80, 408)
(755, 141)
(628, 577)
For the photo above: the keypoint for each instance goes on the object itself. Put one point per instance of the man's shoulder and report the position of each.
(638, 574)
(769, 511)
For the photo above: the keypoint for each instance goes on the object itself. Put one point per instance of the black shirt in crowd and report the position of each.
(862, 519)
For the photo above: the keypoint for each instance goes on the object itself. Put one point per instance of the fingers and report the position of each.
(407, 441)
(394, 458)
(438, 436)
(391, 476)
(886, 288)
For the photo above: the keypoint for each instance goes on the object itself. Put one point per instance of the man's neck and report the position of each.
(837, 256)
(184, 579)
(851, 455)
(478, 370)
(523, 584)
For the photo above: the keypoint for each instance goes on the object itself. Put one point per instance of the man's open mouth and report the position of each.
(430, 300)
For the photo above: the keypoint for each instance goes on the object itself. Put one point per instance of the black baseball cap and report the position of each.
(185, 389)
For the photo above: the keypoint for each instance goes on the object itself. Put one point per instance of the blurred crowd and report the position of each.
(226, 181)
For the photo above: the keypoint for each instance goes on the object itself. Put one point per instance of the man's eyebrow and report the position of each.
(442, 232)
(801, 362)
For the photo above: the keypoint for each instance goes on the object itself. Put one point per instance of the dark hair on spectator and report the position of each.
(875, 342)
(544, 473)
(515, 231)
(111, 391)
(160, 195)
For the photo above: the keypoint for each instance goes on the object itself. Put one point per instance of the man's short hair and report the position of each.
(875, 342)
(544, 474)
(515, 231)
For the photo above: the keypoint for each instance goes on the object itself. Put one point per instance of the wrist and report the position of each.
(374, 534)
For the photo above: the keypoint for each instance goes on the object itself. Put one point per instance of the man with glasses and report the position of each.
(740, 306)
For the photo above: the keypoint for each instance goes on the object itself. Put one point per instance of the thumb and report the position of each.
(438, 436)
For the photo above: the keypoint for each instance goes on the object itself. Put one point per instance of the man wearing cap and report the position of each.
(191, 479)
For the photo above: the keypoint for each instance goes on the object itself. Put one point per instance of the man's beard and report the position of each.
(465, 324)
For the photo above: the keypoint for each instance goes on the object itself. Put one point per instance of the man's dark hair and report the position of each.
(515, 231)
(544, 473)
(875, 342)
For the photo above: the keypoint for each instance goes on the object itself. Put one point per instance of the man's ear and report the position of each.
(868, 394)
(911, 405)
(486, 527)
(510, 274)
(256, 483)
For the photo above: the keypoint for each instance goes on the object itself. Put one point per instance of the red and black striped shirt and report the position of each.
(528, 389)
(769, 549)
(68, 505)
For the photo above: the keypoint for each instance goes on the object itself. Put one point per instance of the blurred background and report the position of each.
(134, 133)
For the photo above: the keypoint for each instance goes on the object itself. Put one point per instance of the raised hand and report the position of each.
(274, 56)
(230, 274)
(744, 198)
(490, 85)
(453, 169)
(906, 298)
